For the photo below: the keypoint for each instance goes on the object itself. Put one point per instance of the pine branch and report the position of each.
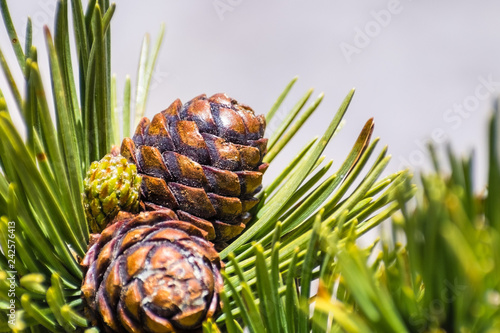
(41, 178)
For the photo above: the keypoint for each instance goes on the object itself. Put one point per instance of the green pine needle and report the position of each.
(269, 275)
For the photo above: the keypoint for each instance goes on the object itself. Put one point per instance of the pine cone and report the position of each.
(111, 185)
(203, 160)
(151, 273)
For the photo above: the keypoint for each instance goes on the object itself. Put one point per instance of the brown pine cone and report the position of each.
(151, 273)
(203, 160)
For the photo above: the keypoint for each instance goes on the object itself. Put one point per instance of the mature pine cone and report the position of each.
(111, 185)
(202, 159)
(151, 273)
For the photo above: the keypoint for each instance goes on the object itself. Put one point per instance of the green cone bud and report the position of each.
(111, 185)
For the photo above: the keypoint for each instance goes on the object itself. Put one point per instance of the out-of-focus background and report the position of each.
(425, 70)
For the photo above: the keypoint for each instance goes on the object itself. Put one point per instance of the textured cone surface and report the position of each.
(203, 160)
(111, 185)
(151, 273)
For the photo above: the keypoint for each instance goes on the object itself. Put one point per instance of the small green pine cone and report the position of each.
(111, 185)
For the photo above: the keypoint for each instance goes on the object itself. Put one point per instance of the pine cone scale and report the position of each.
(132, 298)
(193, 200)
(222, 181)
(223, 154)
(136, 235)
(250, 156)
(189, 141)
(230, 124)
(249, 203)
(157, 191)
(250, 181)
(184, 170)
(198, 111)
(158, 135)
(112, 283)
(199, 223)
(151, 163)
(157, 324)
(136, 259)
(138, 137)
(227, 231)
(227, 208)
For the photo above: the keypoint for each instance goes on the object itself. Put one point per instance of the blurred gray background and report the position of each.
(425, 70)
